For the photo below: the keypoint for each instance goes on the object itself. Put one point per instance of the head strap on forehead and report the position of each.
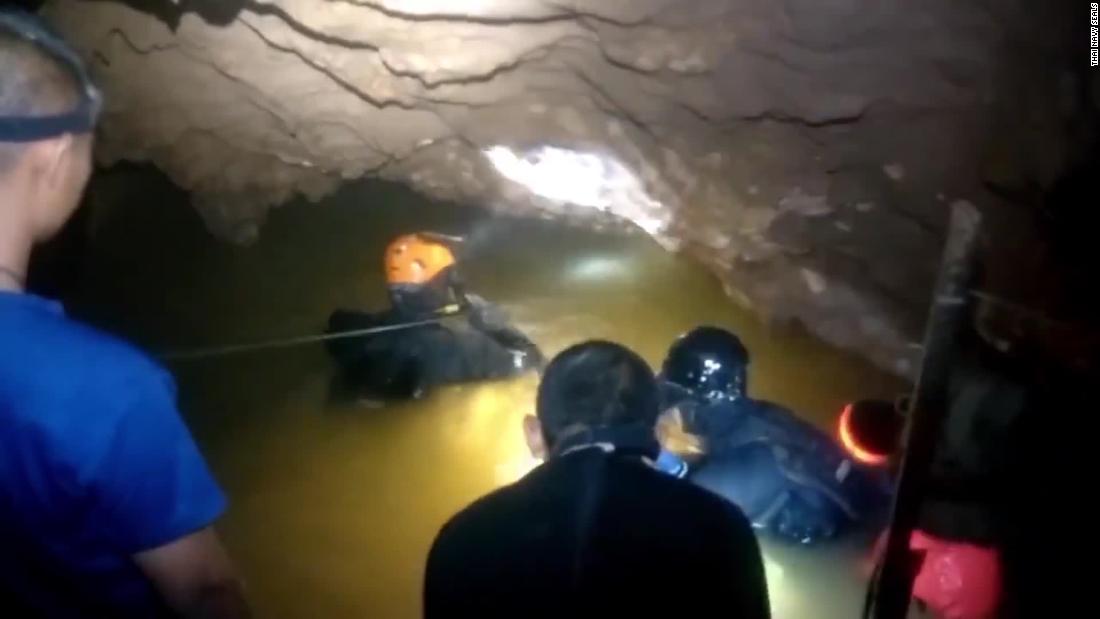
(82, 119)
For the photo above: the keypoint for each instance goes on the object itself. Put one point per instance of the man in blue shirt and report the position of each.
(106, 505)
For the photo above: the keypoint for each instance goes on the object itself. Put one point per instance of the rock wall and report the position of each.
(806, 150)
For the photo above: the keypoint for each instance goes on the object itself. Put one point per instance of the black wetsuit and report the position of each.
(474, 344)
(790, 478)
(593, 534)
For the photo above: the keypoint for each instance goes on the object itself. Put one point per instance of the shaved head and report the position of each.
(48, 111)
(33, 82)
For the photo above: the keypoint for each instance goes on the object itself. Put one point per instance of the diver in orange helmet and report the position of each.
(421, 274)
(467, 339)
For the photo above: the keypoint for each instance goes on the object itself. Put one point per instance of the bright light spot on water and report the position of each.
(515, 468)
(598, 268)
(583, 179)
(779, 592)
(772, 570)
(485, 420)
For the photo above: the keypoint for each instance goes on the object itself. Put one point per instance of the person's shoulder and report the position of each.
(80, 390)
(696, 503)
(484, 512)
(478, 528)
(63, 359)
(102, 353)
(689, 492)
(40, 335)
(507, 508)
(664, 492)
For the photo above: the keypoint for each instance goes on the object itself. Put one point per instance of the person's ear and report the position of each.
(59, 169)
(536, 441)
(44, 157)
(56, 157)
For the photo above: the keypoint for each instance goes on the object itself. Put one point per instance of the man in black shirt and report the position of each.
(596, 530)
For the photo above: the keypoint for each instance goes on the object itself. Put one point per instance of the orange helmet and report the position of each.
(416, 259)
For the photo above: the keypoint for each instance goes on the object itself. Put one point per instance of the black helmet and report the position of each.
(709, 363)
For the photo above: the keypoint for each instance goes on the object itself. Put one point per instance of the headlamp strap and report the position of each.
(34, 128)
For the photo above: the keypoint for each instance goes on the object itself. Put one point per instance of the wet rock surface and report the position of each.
(806, 150)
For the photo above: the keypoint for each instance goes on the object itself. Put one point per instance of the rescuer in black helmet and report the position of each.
(708, 363)
(789, 477)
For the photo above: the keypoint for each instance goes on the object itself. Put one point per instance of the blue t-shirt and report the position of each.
(95, 465)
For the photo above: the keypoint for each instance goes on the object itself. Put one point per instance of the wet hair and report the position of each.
(596, 384)
(33, 80)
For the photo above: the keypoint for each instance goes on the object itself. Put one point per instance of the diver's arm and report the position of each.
(485, 315)
(494, 322)
(457, 284)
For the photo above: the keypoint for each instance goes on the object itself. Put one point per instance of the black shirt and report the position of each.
(475, 345)
(596, 534)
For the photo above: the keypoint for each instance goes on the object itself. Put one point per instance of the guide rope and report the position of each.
(289, 342)
(304, 340)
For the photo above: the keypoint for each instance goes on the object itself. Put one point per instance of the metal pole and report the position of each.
(893, 584)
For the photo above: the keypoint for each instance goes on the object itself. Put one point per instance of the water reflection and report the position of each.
(334, 505)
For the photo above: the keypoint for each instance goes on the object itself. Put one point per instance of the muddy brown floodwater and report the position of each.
(333, 507)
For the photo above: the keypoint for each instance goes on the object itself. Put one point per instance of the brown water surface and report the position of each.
(333, 506)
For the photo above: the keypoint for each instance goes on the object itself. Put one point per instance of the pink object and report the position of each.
(957, 580)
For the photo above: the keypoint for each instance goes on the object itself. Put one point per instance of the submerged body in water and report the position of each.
(471, 345)
(350, 502)
(440, 334)
(791, 479)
